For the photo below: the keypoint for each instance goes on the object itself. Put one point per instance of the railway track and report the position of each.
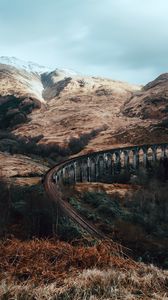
(55, 193)
(87, 168)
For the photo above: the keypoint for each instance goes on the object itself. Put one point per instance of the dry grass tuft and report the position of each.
(94, 284)
(144, 282)
(46, 261)
(48, 270)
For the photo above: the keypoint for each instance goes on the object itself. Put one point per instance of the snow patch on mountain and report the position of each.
(27, 77)
(21, 64)
(35, 87)
(69, 72)
(32, 67)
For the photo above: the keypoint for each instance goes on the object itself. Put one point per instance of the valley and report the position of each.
(46, 117)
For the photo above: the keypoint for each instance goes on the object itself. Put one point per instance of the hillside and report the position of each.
(151, 102)
(61, 105)
(45, 108)
(68, 104)
(47, 116)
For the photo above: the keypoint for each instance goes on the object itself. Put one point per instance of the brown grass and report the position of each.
(146, 282)
(46, 269)
(46, 261)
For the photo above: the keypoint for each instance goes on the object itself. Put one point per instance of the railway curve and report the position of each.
(92, 167)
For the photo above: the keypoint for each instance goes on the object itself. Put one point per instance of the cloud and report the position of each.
(123, 39)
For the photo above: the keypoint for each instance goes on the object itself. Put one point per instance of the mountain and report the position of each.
(151, 102)
(47, 116)
(84, 113)
(150, 105)
(23, 65)
(64, 102)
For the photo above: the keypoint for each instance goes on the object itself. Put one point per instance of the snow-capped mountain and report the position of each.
(27, 78)
(58, 105)
(32, 67)
(21, 64)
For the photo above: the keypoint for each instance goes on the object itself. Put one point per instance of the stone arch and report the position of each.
(145, 149)
(123, 159)
(84, 167)
(100, 163)
(126, 158)
(71, 173)
(116, 157)
(108, 161)
(164, 151)
(66, 174)
(141, 156)
(159, 152)
(78, 170)
(136, 158)
(150, 154)
(117, 163)
(92, 168)
(59, 176)
(113, 159)
(131, 157)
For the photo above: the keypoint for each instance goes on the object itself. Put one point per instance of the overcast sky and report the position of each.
(120, 39)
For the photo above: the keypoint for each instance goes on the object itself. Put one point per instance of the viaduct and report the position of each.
(94, 166)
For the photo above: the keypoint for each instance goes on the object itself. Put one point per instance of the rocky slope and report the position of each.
(151, 102)
(21, 169)
(77, 105)
(60, 105)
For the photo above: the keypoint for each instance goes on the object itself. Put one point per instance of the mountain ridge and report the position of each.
(61, 107)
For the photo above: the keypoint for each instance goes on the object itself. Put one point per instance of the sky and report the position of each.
(120, 39)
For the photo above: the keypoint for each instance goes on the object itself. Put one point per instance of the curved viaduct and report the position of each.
(94, 167)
